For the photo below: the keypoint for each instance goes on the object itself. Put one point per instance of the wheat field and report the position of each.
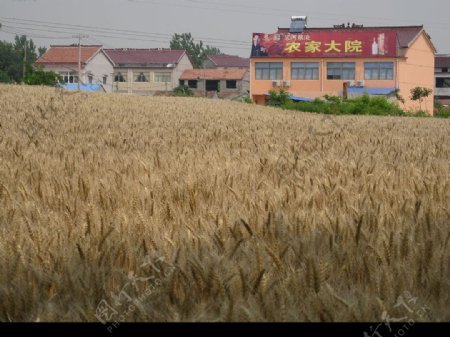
(123, 208)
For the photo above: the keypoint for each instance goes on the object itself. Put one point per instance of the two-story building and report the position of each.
(442, 77)
(312, 62)
(147, 71)
(96, 66)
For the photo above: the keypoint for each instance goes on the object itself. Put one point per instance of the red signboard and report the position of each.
(325, 44)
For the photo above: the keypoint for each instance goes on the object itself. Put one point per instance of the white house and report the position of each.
(147, 71)
(96, 66)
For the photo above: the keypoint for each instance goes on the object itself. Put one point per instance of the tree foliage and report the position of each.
(40, 77)
(12, 58)
(196, 51)
(419, 93)
(10, 63)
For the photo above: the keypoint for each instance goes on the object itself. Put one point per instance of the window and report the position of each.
(212, 85)
(378, 70)
(341, 70)
(443, 82)
(163, 77)
(105, 79)
(445, 70)
(304, 71)
(181, 82)
(69, 77)
(192, 84)
(119, 77)
(269, 70)
(231, 84)
(141, 77)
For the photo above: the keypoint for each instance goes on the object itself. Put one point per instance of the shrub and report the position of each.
(183, 91)
(363, 105)
(247, 99)
(278, 98)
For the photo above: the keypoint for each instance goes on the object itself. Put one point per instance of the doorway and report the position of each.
(212, 85)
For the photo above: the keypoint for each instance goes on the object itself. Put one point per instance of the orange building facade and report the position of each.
(318, 61)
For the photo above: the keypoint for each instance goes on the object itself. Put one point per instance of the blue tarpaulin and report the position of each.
(371, 91)
(83, 87)
(299, 99)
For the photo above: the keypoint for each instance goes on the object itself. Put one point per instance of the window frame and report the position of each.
(141, 77)
(122, 79)
(162, 74)
(228, 82)
(308, 69)
(193, 84)
(378, 71)
(268, 71)
(444, 80)
(341, 70)
(69, 77)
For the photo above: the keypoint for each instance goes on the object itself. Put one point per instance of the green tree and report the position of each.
(10, 63)
(12, 57)
(41, 51)
(197, 52)
(419, 93)
(26, 49)
(40, 77)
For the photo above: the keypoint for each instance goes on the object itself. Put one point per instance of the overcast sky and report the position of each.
(225, 24)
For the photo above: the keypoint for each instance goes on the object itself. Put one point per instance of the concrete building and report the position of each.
(225, 83)
(147, 71)
(312, 62)
(96, 67)
(442, 77)
(223, 61)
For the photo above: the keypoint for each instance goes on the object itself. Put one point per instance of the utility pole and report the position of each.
(79, 36)
(24, 61)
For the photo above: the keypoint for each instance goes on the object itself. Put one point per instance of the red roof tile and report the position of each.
(213, 74)
(223, 60)
(144, 56)
(442, 61)
(67, 54)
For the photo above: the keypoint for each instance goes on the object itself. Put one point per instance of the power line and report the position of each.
(128, 36)
(257, 11)
(116, 31)
(19, 31)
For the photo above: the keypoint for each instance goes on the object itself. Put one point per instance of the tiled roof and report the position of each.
(145, 56)
(442, 61)
(405, 34)
(67, 54)
(213, 74)
(223, 60)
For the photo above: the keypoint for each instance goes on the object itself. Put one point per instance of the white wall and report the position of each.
(184, 64)
(99, 66)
